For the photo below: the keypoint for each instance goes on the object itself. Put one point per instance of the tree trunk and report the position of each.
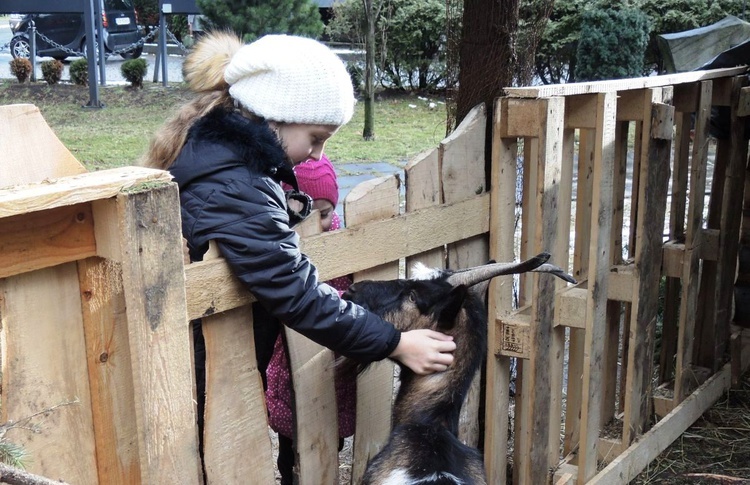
(487, 58)
(368, 132)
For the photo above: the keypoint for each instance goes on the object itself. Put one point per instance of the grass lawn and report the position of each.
(119, 134)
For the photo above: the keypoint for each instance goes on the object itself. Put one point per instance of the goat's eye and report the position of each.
(413, 296)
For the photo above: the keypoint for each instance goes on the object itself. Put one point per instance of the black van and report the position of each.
(119, 20)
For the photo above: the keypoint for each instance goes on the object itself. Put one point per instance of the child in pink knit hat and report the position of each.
(317, 178)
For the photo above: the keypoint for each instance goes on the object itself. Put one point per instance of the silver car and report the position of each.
(14, 20)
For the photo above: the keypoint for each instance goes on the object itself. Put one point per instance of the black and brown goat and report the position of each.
(423, 447)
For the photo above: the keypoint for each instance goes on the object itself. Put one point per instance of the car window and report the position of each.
(118, 4)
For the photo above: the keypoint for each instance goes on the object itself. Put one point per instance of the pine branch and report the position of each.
(16, 476)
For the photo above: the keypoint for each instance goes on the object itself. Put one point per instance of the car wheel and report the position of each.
(20, 47)
(85, 50)
(134, 54)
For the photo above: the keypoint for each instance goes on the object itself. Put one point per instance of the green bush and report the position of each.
(410, 40)
(134, 70)
(612, 44)
(79, 72)
(52, 71)
(21, 68)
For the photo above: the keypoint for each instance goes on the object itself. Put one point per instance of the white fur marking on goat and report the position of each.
(401, 477)
(421, 272)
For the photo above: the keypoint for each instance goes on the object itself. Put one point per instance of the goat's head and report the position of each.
(434, 297)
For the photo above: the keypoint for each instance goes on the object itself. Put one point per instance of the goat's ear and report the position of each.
(447, 310)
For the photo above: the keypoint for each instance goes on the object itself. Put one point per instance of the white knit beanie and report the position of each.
(291, 79)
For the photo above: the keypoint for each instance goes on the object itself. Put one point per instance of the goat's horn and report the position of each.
(472, 276)
(538, 263)
(555, 270)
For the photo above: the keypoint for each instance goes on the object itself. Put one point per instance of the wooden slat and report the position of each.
(652, 196)
(44, 365)
(87, 187)
(462, 174)
(620, 84)
(500, 299)
(211, 288)
(580, 272)
(730, 225)
(316, 419)
(596, 302)
(236, 441)
(154, 287)
(42, 239)
(110, 374)
(375, 199)
(31, 151)
(541, 375)
(691, 260)
(514, 335)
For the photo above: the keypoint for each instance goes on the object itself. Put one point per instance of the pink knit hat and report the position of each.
(317, 179)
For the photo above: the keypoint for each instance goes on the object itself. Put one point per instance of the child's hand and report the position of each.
(425, 351)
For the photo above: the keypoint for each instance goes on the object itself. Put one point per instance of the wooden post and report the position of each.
(500, 296)
(691, 257)
(154, 286)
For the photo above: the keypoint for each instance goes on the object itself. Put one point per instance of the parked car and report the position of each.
(68, 31)
(14, 20)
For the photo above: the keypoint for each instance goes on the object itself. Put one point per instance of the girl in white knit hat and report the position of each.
(260, 109)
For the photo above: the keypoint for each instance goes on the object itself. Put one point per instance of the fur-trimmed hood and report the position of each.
(224, 139)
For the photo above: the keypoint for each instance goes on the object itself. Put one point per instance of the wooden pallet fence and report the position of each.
(619, 257)
(101, 252)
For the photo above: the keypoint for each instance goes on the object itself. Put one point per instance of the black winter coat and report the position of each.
(228, 174)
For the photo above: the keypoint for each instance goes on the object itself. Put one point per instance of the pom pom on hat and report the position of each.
(291, 79)
(317, 179)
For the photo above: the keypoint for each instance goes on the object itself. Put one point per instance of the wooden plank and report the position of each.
(596, 303)
(31, 150)
(580, 271)
(462, 173)
(87, 187)
(110, 374)
(422, 180)
(705, 328)
(40, 313)
(541, 375)
(211, 287)
(528, 214)
(500, 298)
(42, 239)
(316, 419)
(652, 197)
(159, 334)
(621, 84)
(636, 458)
(236, 441)
(375, 199)
(691, 266)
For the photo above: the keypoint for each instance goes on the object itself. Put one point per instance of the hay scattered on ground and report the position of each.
(714, 450)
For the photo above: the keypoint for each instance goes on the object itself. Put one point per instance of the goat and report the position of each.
(423, 446)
